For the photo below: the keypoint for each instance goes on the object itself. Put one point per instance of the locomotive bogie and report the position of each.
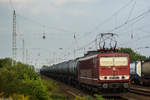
(115, 85)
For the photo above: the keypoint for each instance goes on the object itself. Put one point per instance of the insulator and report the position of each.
(44, 36)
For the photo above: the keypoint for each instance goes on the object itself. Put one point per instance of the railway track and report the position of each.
(69, 90)
(140, 91)
(135, 93)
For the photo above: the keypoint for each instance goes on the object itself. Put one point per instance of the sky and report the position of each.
(70, 26)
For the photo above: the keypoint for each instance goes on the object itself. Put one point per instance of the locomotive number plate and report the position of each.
(114, 77)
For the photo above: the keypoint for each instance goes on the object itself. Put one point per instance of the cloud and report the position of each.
(79, 13)
(42, 8)
(35, 11)
(64, 2)
(4, 1)
(16, 1)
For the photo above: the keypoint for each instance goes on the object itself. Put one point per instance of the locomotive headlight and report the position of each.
(101, 78)
(126, 77)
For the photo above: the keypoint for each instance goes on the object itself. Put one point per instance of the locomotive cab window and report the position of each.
(120, 61)
(113, 61)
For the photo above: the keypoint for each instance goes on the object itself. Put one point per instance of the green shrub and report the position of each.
(80, 98)
(134, 56)
(5, 62)
(98, 97)
(21, 79)
(53, 89)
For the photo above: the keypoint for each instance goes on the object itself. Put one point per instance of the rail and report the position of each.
(140, 91)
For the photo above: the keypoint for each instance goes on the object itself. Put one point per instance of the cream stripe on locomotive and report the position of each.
(121, 77)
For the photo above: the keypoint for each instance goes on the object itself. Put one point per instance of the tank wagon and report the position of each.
(140, 72)
(102, 72)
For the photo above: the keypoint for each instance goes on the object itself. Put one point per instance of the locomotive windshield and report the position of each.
(113, 61)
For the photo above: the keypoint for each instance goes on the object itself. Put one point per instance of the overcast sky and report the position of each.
(61, 19)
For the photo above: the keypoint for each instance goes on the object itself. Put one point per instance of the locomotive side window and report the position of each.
(113, 61)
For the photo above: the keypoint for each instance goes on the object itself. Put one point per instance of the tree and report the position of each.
(134, 56)
(5, 62)
(21, 79)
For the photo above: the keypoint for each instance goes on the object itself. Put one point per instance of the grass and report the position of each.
(98, 97)
(83, 98)
(53, 90)
(14, 97)
(56, 94)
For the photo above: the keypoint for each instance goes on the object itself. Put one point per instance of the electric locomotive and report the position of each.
(104, 70)
(107, 73)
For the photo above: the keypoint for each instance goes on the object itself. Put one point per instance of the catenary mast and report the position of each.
(14, 35)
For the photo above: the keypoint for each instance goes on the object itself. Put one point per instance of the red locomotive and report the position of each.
(106, 71)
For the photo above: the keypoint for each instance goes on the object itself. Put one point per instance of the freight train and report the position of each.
(99, 71)
(140, 72)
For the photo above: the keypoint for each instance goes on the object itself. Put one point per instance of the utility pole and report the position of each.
(26, 56)
(75, 41)
(14, 47)
(23, 49)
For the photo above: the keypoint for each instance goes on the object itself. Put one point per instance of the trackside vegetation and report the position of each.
(21, 82)
(53, 90)
(97, 97)
(56, 94)
(134, 56)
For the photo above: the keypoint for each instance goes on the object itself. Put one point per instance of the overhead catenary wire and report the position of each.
(63, 30)
(130, 13)
(90, 43)
(43, 25)
(141, 16)
(135, 19)
(86, 45)
(106, 20)
(139, 38)
(136, 39)
(136, 28)
(142, 27)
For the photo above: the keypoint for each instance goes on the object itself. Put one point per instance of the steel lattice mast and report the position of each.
(23, 51)
(14, 47)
